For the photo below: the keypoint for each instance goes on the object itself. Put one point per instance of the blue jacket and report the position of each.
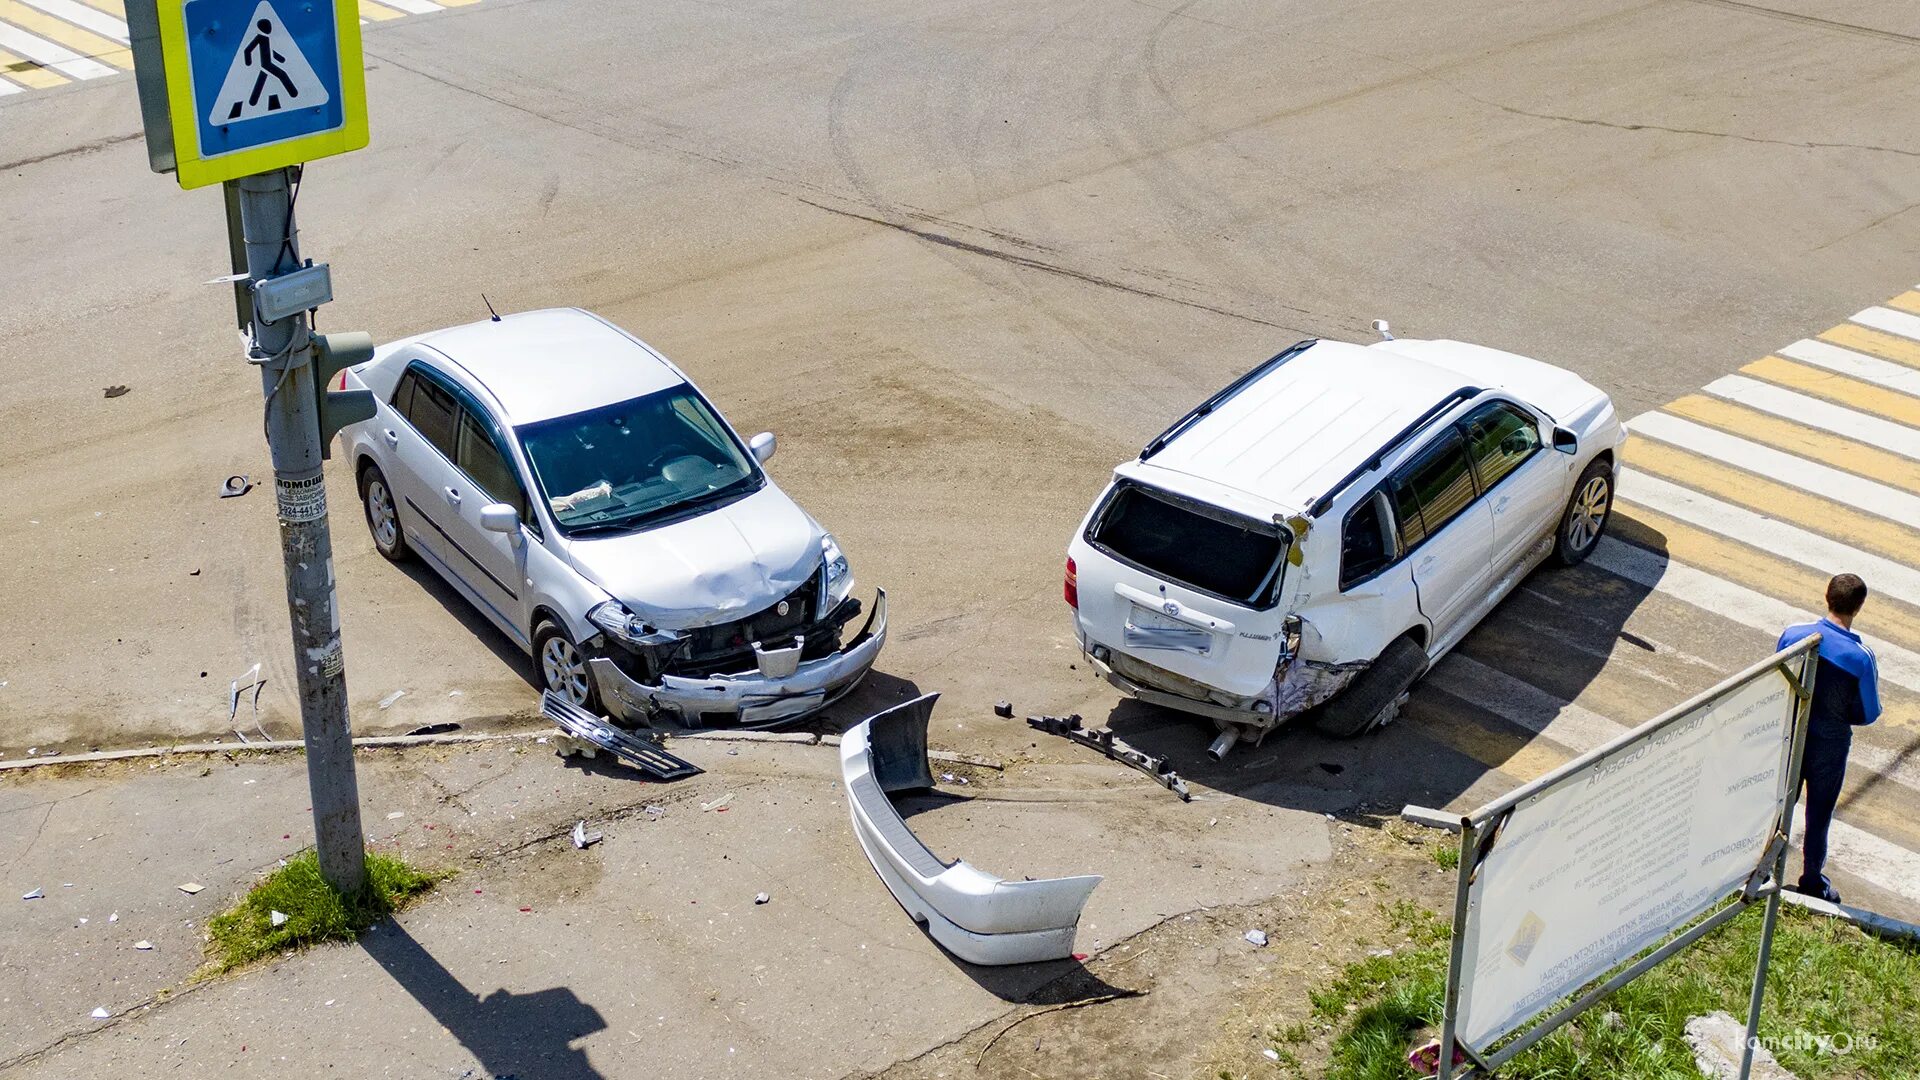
(1846, 690)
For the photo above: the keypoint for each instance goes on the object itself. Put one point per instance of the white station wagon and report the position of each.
(580, 492)
(1319, 532)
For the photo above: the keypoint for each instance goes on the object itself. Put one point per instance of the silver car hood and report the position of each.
(713, 568)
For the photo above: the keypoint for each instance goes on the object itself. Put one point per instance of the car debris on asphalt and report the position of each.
(761, 898)
(235, 486)
(581, 837)
(143, 946)
(277, 918)
(586, 734)
(1256, 937)
(191, 887)
(1105, 741)
(36, 894)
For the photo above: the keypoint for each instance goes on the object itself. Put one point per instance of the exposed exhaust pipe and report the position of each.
(1223, 742)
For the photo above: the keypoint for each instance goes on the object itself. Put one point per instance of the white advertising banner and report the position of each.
(1621, 851)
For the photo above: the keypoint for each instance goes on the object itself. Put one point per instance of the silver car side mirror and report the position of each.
(1386, 332)
(1565, 441)
(500, 518)
(762, 446)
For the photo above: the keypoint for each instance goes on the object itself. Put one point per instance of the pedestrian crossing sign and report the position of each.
(254, 85)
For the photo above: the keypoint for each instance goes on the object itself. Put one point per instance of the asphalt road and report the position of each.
(962, 260)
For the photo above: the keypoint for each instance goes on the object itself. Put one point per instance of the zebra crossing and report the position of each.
(1735, 505)
(49, 43)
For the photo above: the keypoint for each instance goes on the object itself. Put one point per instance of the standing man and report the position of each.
(1846, 695)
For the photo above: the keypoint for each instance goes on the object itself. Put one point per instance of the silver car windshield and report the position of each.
(638, 462)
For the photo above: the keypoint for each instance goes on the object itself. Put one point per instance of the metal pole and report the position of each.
(1450, 1005)
(1803, 707)
(283, 349)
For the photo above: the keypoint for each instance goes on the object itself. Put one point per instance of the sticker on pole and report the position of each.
(256, 85)
(268, 75)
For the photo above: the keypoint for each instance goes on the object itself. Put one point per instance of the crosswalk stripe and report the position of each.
(378, 12)
(1833, 386)
(1850, 848)
(46, 53)
(1869, 496)
(1893, 322)
(80, 15)
(1886, 346)
(9, 88)
(27, 73)
(1748, 607)
(81, 42)
(1523, 703)
(112, 7)
(1800, 440)
(1907, 301)
(1856, 365)
(1759, 493)
(1813, 412)
(1770, 534)
(415, 7)
(1517, 756)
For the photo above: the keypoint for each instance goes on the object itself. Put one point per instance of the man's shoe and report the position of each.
(1821, 891)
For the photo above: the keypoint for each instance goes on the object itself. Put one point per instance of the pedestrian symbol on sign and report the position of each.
(269, 75)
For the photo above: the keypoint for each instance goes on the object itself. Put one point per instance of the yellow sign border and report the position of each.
(194, 170)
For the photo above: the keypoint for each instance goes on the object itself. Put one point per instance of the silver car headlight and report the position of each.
(839, 574)
(623, 625)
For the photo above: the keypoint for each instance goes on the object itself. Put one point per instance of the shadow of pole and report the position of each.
(514, 1036)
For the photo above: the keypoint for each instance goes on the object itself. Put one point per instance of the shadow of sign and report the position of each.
(513, 1036)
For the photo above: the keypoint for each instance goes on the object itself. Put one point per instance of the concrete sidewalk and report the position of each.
(642, 955)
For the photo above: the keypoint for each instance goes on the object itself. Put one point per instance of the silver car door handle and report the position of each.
(453, 496)
(1500, 504)
(393, 437)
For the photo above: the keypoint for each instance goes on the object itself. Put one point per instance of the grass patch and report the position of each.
(315, 913)
(1447, 857)
(1826, 979)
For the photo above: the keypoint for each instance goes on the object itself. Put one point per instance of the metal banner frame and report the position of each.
(1480, 831)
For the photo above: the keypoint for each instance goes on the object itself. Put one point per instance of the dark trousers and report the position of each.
(1822, 770)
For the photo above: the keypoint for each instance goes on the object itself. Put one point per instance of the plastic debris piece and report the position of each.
(396, 815)
(1003, 709)
(101, 1013)
(233, 487)
(115, 390)
(191, 887)
(115, 917)
(277, 918)
(1256, 937)
(527, 909)
(435, 729)
(734, 752)
(761, 898)
(655, 811)
(720, 803)
(1080, 957)
(391, 698)
(581, 837)
(1271, 1054)
(143, 946)
(34, 895)
(946, 778)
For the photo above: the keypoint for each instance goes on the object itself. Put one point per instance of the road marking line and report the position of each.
(1520, 702)
(1893, 322)
(82, 16)
(1820, 553)
(1851, 392)
(112, 7)
(1761, 572)
(10, 88)
(1737, 603)
(1868, 857)
(1885, 346)
(27, 73)
(48, 54)
(1862, 494)
(376, 11)
(414, 7)
(1812, 412)
(1505, 751)
(1773, 499)
(1907, 301)
(1802, 441)
(84, 43)
(1855, 364)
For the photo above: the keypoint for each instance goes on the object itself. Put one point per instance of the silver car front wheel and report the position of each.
(1586, 516)
(563, 667)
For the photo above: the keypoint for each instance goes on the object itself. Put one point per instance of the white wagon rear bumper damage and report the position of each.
(972, 914)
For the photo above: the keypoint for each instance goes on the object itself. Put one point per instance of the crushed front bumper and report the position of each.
(748, 700)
